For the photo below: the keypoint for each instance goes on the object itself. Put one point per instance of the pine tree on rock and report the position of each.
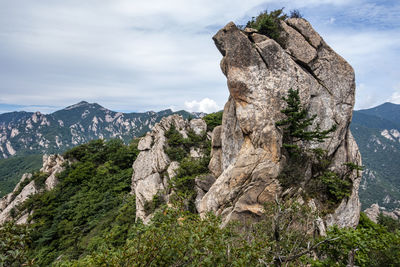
(297, 121)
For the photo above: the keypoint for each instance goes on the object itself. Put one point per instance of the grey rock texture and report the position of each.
(215, 165)
(153, 169)
(29, 189)
(198, 126)
(246, 151)
(374, 211)
(52, 165)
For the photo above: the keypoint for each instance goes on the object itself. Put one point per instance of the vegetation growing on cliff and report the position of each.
(189, 168)
(13, 168)
(269, 23)
(325, 185)
(213, 120)
(90, 203)
(89, 220)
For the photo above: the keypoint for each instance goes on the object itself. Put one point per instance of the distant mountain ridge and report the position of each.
(33, 132)
(377, 132)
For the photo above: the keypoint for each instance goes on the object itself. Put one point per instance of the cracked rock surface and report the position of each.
(246, 153)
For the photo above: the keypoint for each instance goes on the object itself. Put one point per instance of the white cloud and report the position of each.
(143, 55)
(206, 105)
(395, 97)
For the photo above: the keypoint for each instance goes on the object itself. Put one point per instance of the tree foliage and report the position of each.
(15, 243)
(90, 194)
(297, 122)
(369, 244)
(269, 23)
(213, 120)
(89, 220)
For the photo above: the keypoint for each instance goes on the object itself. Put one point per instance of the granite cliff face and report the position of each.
(247, 157)
(27, 186)
(153, 169)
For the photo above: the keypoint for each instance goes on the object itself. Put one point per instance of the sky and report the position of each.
(134, 56)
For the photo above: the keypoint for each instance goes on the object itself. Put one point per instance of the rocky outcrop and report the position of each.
(374, 211)
(246, 152)
(52, 165)
(153, 169)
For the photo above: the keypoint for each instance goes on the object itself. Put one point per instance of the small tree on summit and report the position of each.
(297, 121)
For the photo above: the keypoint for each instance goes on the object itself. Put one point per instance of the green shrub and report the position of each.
(178, 238)
(370, 243)
(392, 225)
(83, 207)
(295, 13)
(15, 243)
(269, 23)
(40, 179)
(335, 187)
(152, 205)
(175, 150)
(213, 120)
(328, 187)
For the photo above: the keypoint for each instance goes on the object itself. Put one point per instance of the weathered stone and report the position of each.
(259, 73)
(231, 135)
(305, 29)
(172, 168)
(373, 212)
(52, 165)
(196, 153)
(202, 185)
(28, 190)
(152, 169)
(297, 46)
(146, 189)
(145, 143)
(199, 126)
(215, 165)
(216, 137)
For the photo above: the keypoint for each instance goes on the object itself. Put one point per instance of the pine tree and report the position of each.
(297, 121)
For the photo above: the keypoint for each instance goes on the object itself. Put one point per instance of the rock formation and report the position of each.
(153, 169)
(247, 156)
(52, 165)
(374, 211)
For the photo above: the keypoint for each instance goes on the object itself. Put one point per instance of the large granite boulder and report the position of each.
(247, 151)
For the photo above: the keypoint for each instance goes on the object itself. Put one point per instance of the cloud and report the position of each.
(150, 55)
(206, 105)
(395, 97)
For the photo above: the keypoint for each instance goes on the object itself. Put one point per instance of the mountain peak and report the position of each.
(83, 104)
(387, 111)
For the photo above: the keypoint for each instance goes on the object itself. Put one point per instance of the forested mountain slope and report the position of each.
(34, 133)
(377, 132)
